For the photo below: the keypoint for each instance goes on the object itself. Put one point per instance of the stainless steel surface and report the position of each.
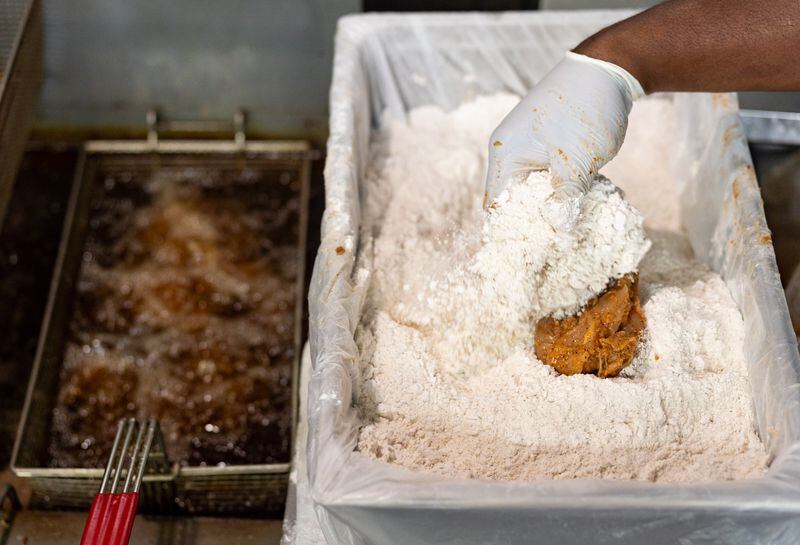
(20, 79)
(63, 528)
(774, 139)
(778, 101)
(256, 489)
(768, 127)
(793, 299)
(595, 4)
(107, 62)
(778, 169)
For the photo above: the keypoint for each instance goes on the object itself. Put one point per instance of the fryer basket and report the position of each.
(242, 490)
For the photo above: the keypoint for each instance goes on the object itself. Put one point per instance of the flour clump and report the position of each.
(516, 268)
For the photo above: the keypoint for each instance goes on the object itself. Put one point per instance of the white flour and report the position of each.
(486, 302)
(449, 382)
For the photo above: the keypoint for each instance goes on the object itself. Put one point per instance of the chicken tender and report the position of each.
(602, 339)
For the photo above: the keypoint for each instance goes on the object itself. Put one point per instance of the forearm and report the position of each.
(706, 45)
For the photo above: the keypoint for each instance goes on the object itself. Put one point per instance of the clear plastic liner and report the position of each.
(793, 298)
(392, 63)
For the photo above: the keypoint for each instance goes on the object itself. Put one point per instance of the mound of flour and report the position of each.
(487, 301)
(448, 381)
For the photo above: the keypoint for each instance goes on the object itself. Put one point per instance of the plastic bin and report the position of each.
(391, 63)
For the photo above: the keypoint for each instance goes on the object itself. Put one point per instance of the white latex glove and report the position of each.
(572, 122)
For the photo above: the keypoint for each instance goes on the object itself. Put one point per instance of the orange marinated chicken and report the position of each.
(602, 339)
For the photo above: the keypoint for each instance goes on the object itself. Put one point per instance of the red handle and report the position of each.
(110, 519)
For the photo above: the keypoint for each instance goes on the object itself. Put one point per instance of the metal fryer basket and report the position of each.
(252, 490)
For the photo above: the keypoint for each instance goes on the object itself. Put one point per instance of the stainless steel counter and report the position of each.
(58, 528)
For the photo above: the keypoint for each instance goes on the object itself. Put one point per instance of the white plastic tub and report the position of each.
(393, 63)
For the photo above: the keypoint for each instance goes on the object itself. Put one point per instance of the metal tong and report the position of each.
(113, 509)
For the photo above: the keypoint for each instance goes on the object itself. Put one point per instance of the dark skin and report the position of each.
(706, 45)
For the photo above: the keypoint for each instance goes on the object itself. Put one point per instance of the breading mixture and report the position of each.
(449, 381)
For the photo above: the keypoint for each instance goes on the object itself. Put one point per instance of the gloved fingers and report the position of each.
(496, 182)
(511, 170)
(572, 122)
(571, 173)
(508, 162)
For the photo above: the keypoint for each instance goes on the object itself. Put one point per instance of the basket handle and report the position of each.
(156, 122)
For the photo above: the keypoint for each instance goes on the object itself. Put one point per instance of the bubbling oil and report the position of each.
(185, 312)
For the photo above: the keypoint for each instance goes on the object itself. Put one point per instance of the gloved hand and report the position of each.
(572, 122)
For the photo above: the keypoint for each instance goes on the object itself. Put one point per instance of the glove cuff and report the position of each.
(632, 85)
